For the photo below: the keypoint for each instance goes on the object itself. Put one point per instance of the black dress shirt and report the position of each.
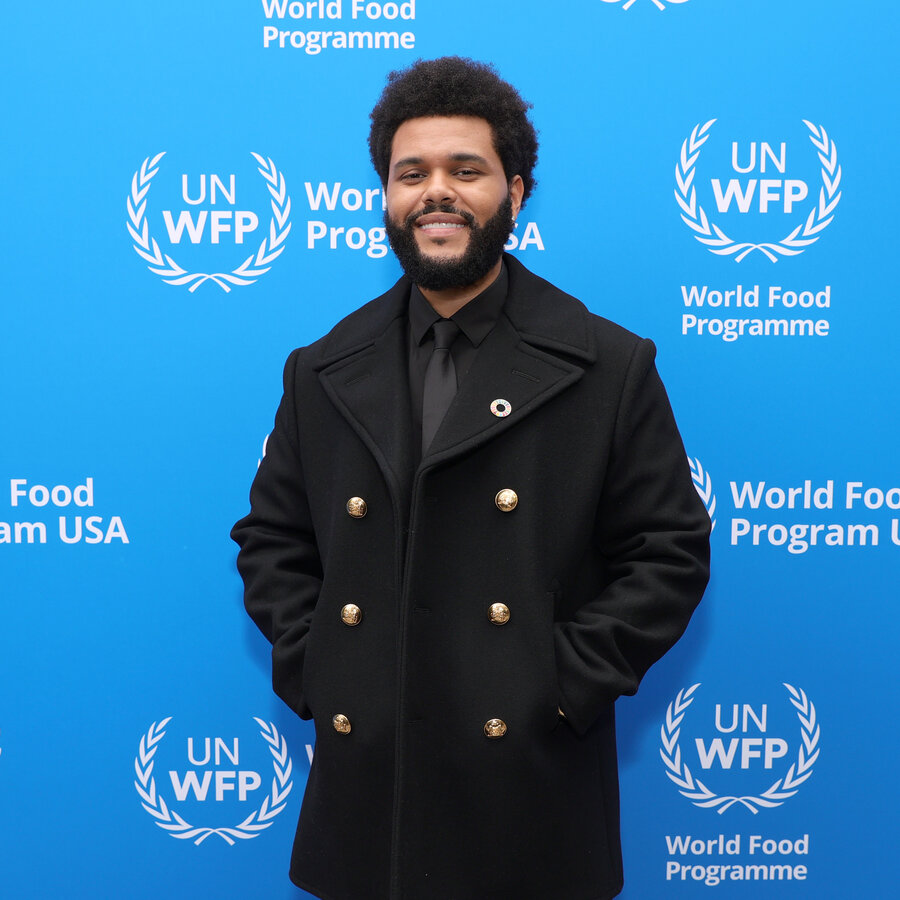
(475, 321)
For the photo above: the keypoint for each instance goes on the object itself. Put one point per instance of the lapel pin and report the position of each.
(501, 408)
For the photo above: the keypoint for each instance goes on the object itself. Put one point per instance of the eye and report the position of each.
(412, 176)
(467, 173)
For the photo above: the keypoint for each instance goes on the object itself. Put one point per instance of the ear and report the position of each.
(516, 190)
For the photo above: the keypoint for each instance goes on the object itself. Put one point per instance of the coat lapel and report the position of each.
(366, 376)
(513, 364)
(531, 355)
(508, 369)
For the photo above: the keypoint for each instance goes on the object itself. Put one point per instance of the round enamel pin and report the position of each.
(501, 408)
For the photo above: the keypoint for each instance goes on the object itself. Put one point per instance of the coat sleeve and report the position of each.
(652, 534)
(279, 559)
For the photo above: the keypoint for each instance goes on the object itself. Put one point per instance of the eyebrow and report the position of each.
(454, 157)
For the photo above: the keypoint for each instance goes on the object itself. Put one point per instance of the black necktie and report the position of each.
(439, 388)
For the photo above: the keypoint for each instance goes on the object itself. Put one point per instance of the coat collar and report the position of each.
(547, 317)
(535, 351)
(542, 314)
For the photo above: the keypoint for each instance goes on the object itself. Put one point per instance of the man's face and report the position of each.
(449, 206)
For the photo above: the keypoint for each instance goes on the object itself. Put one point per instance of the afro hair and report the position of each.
(454, 86)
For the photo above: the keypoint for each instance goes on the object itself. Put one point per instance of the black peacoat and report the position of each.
(442, 766)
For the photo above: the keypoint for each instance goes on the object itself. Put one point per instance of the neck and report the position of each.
(452, 300)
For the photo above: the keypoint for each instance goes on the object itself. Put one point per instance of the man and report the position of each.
(474, 528)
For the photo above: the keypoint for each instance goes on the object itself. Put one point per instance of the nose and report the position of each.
(439, 188)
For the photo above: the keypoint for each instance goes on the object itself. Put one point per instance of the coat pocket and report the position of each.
(308, 672)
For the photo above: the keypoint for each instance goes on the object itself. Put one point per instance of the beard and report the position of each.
(438, 273)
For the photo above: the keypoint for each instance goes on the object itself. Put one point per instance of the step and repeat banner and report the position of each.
(187, 197)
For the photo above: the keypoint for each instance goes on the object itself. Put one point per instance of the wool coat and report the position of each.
(443, 768)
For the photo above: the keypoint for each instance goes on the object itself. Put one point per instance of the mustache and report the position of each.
(410, 220)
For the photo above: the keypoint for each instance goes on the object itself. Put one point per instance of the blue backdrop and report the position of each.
(726, 172)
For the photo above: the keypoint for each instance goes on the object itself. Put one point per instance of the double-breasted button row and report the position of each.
(506, 500)
(498, 614)
(493, 728)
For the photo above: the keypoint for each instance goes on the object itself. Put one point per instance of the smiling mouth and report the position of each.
(441, 220)
(428, 226)
(440, 228)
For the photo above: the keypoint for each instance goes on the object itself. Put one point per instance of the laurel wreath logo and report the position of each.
(248, 271)
(700, 795)
(169, 820)
(659, 4)
(716, 241)
(703, 484)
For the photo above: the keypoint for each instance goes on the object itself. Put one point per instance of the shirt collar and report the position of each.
(475, 319)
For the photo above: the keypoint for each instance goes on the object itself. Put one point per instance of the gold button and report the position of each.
(351, 614)
(494, 728)
(498, 613)
(341, 724)
(357, 508)
(506, 500)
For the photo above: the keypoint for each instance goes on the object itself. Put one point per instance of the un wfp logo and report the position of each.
(703, 484)
(215, 774)
(767, 198)
(659, 4)
(756, 742)
(223, 224)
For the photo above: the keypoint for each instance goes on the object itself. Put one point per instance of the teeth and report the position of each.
(441, 225)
